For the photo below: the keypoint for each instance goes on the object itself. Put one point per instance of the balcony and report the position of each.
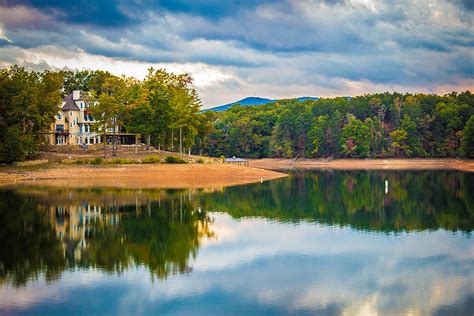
(60, 130)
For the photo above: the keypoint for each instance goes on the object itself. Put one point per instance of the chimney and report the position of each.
(76, 94)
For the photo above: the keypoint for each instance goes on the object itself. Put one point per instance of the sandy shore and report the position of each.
(140, 176)
(366, 164)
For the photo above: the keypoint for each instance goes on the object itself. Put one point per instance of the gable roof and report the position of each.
(70, 104)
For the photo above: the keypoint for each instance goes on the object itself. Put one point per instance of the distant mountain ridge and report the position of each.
(251, 101)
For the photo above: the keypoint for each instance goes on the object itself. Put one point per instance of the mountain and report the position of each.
(249, 101)
(301, 99)
(244, 102)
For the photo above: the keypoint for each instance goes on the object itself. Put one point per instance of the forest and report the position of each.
(166, 111)
(373, 125)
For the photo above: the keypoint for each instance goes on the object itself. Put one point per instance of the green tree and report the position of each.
(355, 140)
(399, 145)
(185, 104)
(109, 110)
(28, 103)
(140, 117)
(318, 135)
(468, 139)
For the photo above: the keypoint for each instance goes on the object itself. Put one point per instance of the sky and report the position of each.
(239, 48)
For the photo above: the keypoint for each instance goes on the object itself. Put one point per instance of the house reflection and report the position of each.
(110, 230)
(75, 225)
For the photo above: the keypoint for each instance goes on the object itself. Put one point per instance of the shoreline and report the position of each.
(159, 176)
(200, 176)
(366, 164)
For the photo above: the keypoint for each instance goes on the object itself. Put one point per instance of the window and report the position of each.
(59, 116)
(59, 128)
(70, 112)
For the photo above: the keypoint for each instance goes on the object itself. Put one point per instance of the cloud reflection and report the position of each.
(268, 267)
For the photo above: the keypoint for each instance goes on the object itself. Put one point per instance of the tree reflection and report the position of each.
(48, 233)
(415, 200)
(28, 243)
(45, 231)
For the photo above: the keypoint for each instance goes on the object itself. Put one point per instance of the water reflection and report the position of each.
(49, 230)
(315, 242)
(414, 201)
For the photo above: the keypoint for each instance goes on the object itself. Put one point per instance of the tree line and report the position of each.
(165, 110)
(372, 125)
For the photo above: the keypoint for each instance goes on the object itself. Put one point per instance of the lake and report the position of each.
(316, 242)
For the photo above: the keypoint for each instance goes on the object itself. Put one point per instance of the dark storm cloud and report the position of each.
(104, 13)
(116, 13)
(466, 4)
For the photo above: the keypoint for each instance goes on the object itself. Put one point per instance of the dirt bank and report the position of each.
(139, 176)
(366, 164)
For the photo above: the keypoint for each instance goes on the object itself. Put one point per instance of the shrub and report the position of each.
(222, 158)
(81, 161)
(121, 161)
(174, 160)
(151, 159)
(200, 160)
(96, 161)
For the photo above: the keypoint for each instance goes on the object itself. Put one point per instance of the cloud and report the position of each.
(104, 13)
(271, 48)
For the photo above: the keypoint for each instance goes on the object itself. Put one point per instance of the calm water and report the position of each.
(315, 242)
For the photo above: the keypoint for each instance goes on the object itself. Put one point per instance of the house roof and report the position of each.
(70, 104)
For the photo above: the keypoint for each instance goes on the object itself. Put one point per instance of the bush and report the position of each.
(96, 161)
(174, 160)
(81, 161)
(222, 158)
(151, 159)
(200, 160)
(121, 161)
